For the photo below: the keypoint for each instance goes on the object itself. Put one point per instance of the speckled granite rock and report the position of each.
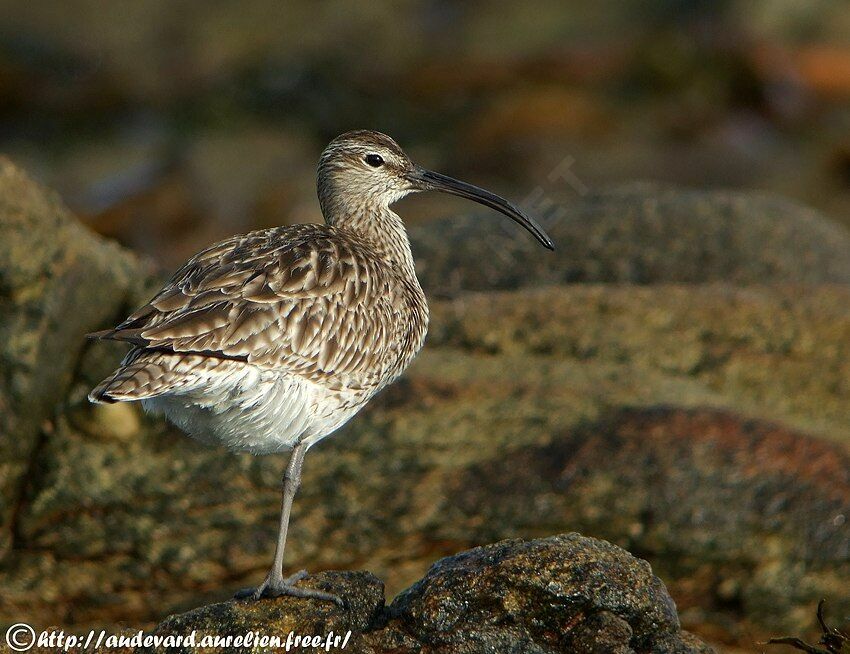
(559, 594)
(639, 234)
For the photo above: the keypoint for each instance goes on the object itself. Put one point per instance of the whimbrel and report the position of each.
(272, 340)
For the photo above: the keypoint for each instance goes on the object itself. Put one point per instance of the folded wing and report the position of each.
(296, 299)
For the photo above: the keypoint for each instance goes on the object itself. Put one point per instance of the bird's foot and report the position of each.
(277, 587)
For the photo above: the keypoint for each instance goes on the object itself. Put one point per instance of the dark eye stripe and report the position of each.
(375, 160)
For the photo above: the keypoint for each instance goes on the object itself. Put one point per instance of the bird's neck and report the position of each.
(384, 231)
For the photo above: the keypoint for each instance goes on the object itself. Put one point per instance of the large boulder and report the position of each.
(746, 520)
(779, 352)
(559, 594)
(57, 282)
(639, 233)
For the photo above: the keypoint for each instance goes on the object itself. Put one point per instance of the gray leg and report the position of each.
(275, 584)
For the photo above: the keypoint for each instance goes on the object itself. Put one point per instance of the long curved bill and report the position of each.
(428, 180)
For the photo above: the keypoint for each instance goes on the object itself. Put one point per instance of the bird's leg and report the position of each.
(275, 584)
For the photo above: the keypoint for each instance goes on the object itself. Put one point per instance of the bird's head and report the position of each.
(364, 170)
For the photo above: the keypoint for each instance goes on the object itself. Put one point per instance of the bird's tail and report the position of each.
(144, 374)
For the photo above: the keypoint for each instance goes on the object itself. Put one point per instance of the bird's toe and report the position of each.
(247, 593)
(271, 588)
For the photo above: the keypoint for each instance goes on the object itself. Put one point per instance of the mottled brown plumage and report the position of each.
(313, 300)
(272, 340)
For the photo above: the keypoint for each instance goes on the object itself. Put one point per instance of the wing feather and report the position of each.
(303, 299)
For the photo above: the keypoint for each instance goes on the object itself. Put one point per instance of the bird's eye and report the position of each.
(375, 160)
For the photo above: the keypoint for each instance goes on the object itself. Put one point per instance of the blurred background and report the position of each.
(169, 124)
(675, 378)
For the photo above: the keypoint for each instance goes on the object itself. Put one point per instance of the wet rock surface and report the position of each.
(559, 594)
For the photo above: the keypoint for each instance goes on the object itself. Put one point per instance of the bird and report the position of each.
(270, 341)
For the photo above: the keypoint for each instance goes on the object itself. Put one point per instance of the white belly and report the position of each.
(253, 410)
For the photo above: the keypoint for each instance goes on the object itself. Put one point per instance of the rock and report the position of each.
(560, 594)
(778, 353)
(364, 610)
(744, 519)
(637, 234)
(57, 282)
(564, 593)
(527, 414)
(120, 519)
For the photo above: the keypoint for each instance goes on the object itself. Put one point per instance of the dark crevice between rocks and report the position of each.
(28, 486)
